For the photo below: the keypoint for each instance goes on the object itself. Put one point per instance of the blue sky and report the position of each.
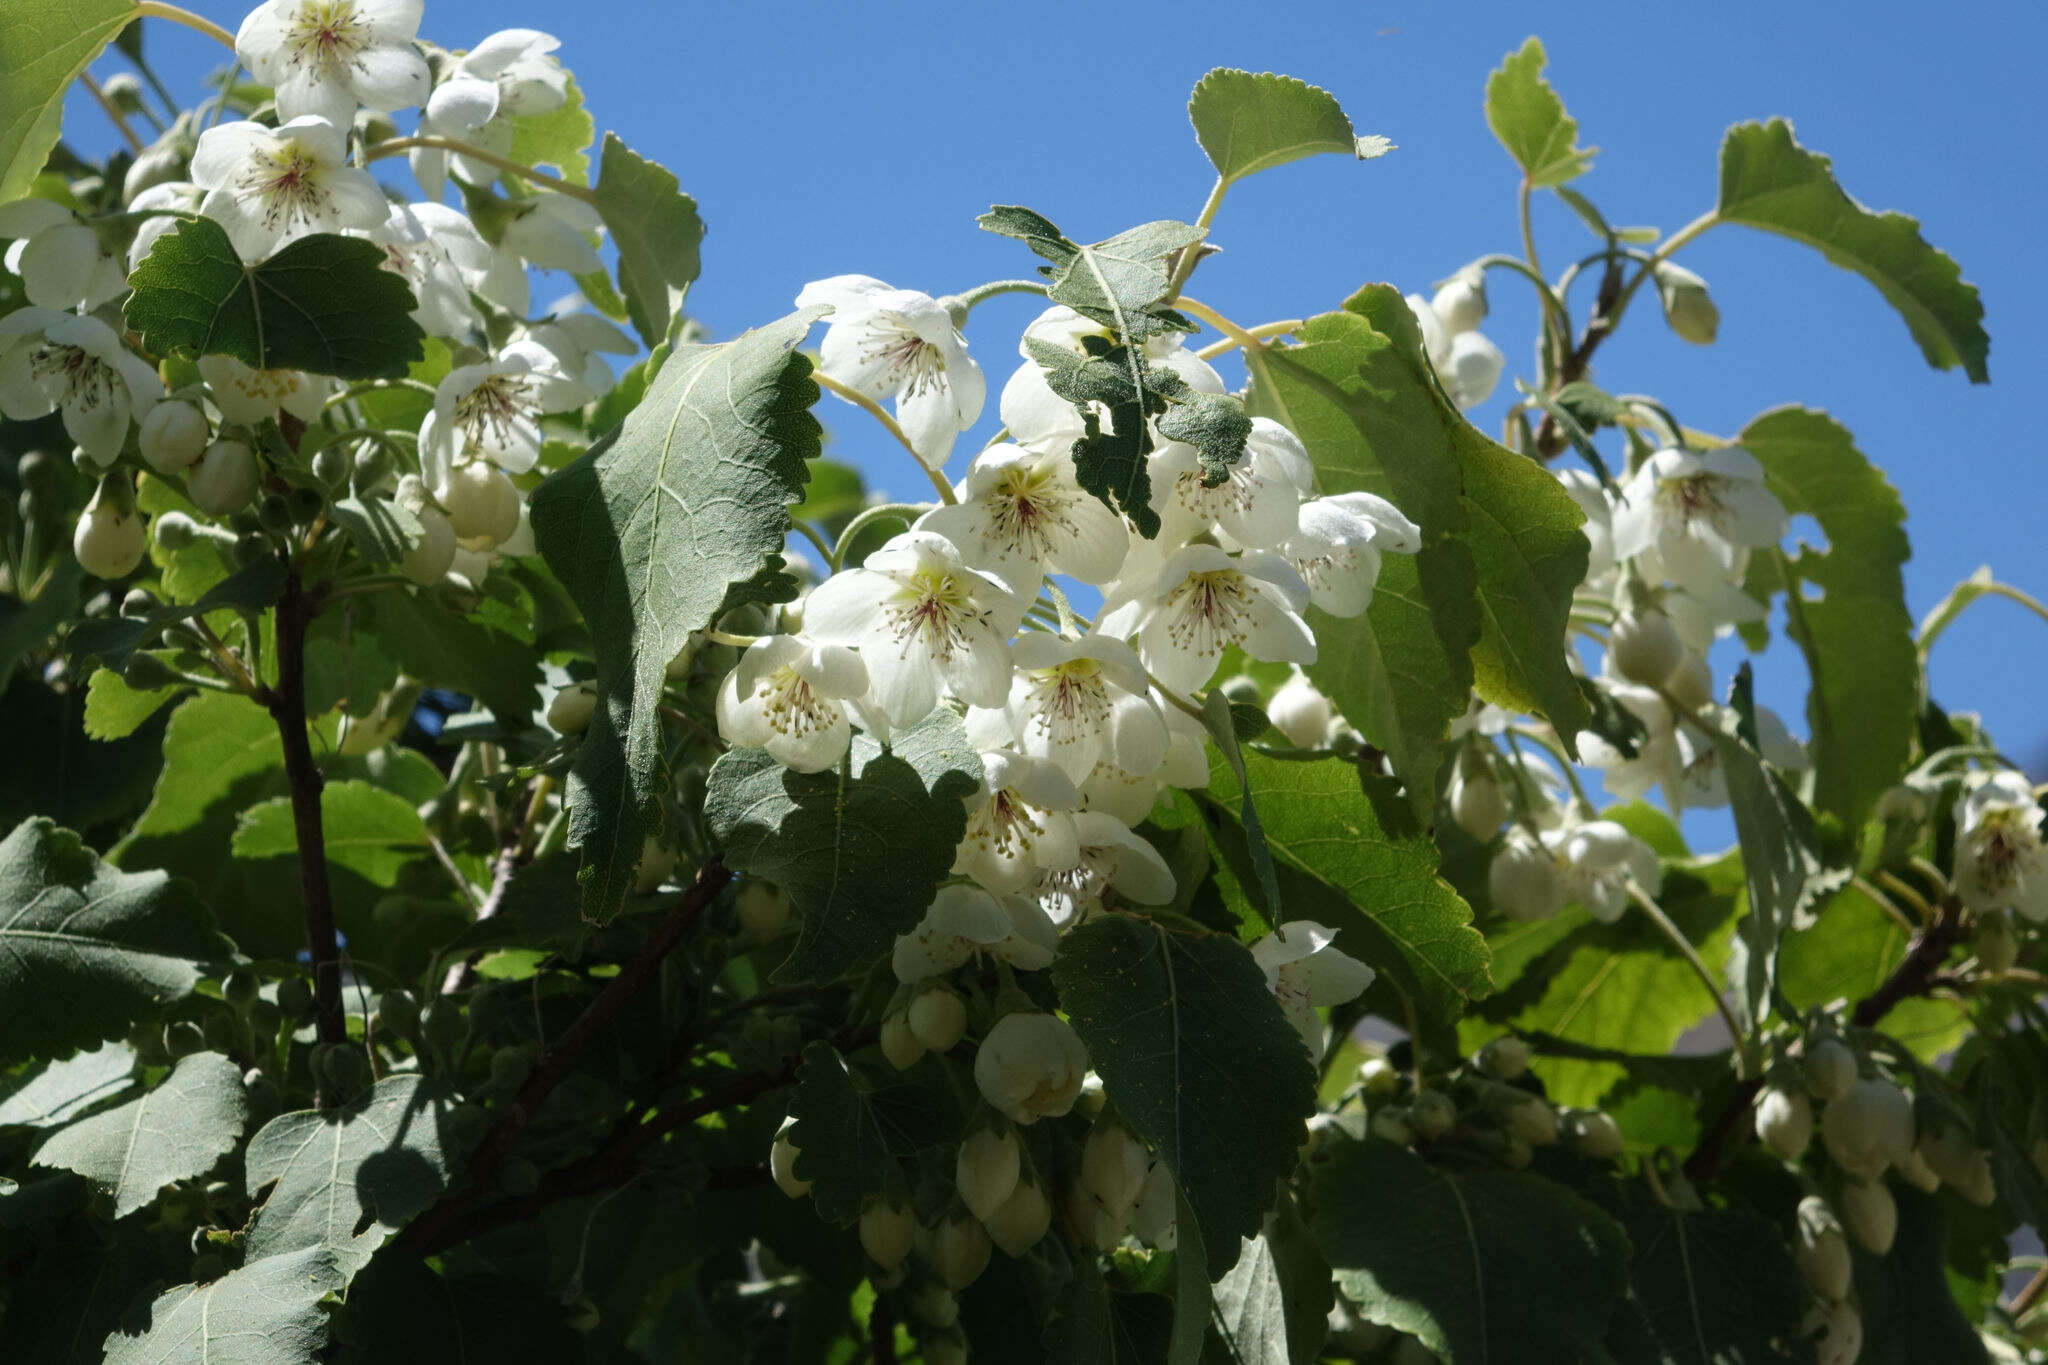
(821, 139)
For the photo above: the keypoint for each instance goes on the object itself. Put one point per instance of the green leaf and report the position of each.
(1196, 1055)
(560, 138)
(862, 849)
(1769, 181)
(44, 46)
(1220, 717)
(1909, 1314)
(852, 1141)
(1858, 638)
(111, 639)
(85, 950)
(324, 304)
(648, 532)
(1486, 1267)
(114, 710)
(1709, 1287)
(177, 1131)
(441, 647)
(368, 830)
(1248, 123)
(67, 1088)
(1530, 121)
(1847, 952)
(372, 1164)
(266, 1313)
(25, 625)
(1118, 282)
(383, 531)
(657, 231)
(399, 1308)
(1371, 878)
(1110, 458)
(1273, 1307)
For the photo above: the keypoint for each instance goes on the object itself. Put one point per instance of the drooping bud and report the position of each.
(1688, 308)
(1822, 1251)
(570, 711)
(1532, 1121)
(1113, 1167)
(110, 537)
(1023, 1218)
(1594, 1133)
(1841, 1341)
(1460, 303)
(657, 860)
(960, 1250)
(428, 561)
(1393, 1124)
(899, 1044)
(1155, 1217)
(1915, 1171)
(782, 1164)
(1830, 1069)
(483, 505)
(1505, 1058)
(1966, 1167)
(1300, 712)
(1784, 1122)
(762, 909)
(938, 1016)
(1473, 369)
(1997, 947)
(1523, 880)
(986, 1170)
(1645, 647)
(1378, 1078)
(224, 479)
(1431, 1114)
(1870, 1214)
(886, 1228)
(172, 436)
(1868, 1128)
(934, 1304)
(1030, 1066)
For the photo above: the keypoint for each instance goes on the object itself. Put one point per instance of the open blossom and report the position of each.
(1019, 824)
(326, 58)
(1305, 969)
(580, 342)
(1022, 515)
(1031, 1066)
(491, 411)
(510, 74)
(439, 253)
(1202, 600)
(1115, 790)
(1696, 512)
(250, 396)
(52, 361)
(1591, 495)
(923, 621)
(59, 258)
(1111, 856)
(1255, 505)
(1075, 703)
(1336, 546)
(270, 186)
(792, 698)
(1700, 780)
(966, 920)
(2000, 857)
(900, 344)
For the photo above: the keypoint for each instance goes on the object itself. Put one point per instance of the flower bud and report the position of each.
(985, 1172)
(224, 479)
(1532, 1121)
(960, 1250)
(110, 537)
(428, 561)
(1961, 1163)
(174, 530)
(1688, 308)
(1023, 1218)
(1841, 1342)
(1903, 804)
(1997, 948)
(782, 1164)
(1915, 1171)
(1030, 1066)
(1505, 1058)
(1594, 1133)
(1473, 370)
(1784, 1122)
(1523, 880)
(1378, 1078)
(1155, 1217)
(657, 860)
(762, 909)
(899, 1044)
(1868, 1128)
(1645, 647)
(1461, 303)
(1869, 1213)
(935, 1305)
(159, 165)
(1821, 1251)
(938, 1016)
(172, 436)
(1692, 682)
(1431, 1114)
(1830, 1069)
(1113, 1167)
(948, 1349)
(1392, 1124)
(886, 1228)
(1300, 712)
(1477, 802)
(570, 711)
(483, 505)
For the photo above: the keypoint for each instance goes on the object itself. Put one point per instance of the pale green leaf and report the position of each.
(177, 1131)
(1247, 123)
(1847, 952)
(560, 138)
(111, 639)
(1530, 121)
(1273, 1307)
(657, 231)
(649, 532)
(114, 710)
(1195, 1054)
(368, 830)
(44, 45)
(67, 1088)
(862, 850)
(266, 1313)
(1769, 181)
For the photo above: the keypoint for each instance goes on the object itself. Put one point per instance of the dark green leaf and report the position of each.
(1110, 457)
(1221, 719)
(1769, 181)
(1196, 1055)
(861, 850)
(1909, 1314)
(1119, 282)
(648, 532)
(383, 531)
(657, 231)
(64, 1089)
(1712, 1287)
(400, 1311)
(177, 1131)
(266, 1313)
(85, 950)
(852, 1141)
(44, 45)
(1215, 424)
(111, 639)
(1530, 121)
(324, 304)
(1247, 123)
(1486, 1267)
(1273, 1307)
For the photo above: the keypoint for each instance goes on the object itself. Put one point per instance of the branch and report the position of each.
(554, 1067)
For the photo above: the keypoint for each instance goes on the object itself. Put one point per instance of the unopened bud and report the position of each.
(1378, 1078)
(1594, 1133)
(1460, 304)
(1392, 1125)
(1997, 948)
(1300, 712)
(782, 1154)
(172, 436)
(482, 505)
(1022, 1220)
(1645, 647)
(1523, 880)
(960, 1250)
(1868, 1128)
(657, 860)
(1473, 370)
(1688, 308)
(1478, 803)
(899, 1044)
(886, 1228)
(570, 711)
(1113, 1166)
(762, 909)
(224, 479)
(938, 1016)
(1822, 1251)
(1504, 1059)
(1830, 1069)
(1431, 1114)
(1154, 1218)
(935, 1305)
(1532, 1121)
(110, 537)
(986, 1170)
(1841, 1340)
(1870, 1214)
(1692, 682)
(1784, 1122)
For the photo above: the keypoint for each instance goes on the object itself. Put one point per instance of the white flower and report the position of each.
(1021, 516)
(1030, 1066)
(1591, 496)
(1696, 512)
(965, 920)
(1019, 823)
(492, 411)
(1436, 340)
(1471, 369)
(1596, 863)
(1077, 702)
(1301, 712)
(1110, 855)
(1203, 600)
(1523, 880)
(440, 254)
(250, 396)
(1460, 302)
(1700, 780)
(324, 58)
(58, 257)
(923, 620)
(1306, 969)
(1336, 545)
(1657, 756)
(900, 344)
(508, 75)
(1255, 505)
(2000, 859)
(792, 698)
(1117, 791)
(553, 232)
(60, 361)
(268, 186)
(580, 341)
